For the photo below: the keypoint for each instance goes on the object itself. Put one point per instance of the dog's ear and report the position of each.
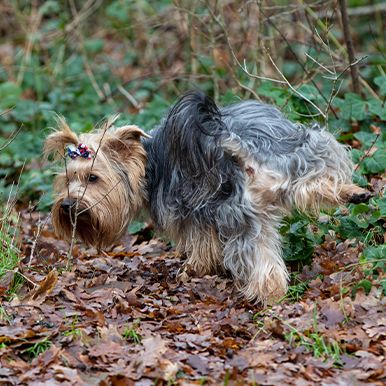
(55, 143)
(122, 138)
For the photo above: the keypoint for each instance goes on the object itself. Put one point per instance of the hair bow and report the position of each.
(81, 151)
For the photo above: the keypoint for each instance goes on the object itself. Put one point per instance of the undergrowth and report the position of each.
(137, 59)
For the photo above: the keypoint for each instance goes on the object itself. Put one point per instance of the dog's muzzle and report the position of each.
(67, 205)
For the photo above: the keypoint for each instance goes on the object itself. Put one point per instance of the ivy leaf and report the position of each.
(359, 179)
(378, 254)
(136, 227)
(9, 95)
(376, 108)
(94, 46)
(380, 81)
(352, 107)
(367, 139)
(382, 207)
(375, 163)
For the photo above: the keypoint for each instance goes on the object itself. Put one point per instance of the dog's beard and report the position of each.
(93, 225)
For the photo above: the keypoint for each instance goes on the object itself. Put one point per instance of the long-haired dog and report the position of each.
(216, 180)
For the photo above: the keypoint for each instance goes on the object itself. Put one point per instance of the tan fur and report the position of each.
(349, 190)
(268, 274)
(56, 142)
(203, 250)
(97, 214)
(249, 248)
(322, 194)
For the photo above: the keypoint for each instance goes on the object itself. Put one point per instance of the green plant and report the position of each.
(297, 289)
(314, 342)
(9, 253)
(299, 237)
(131, 334)
(73, 330)
(317, 344)
(4, 316)
(38, 348)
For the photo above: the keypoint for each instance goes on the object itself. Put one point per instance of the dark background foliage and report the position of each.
(89, 59)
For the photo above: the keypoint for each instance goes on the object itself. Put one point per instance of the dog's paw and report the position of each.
(359, 197)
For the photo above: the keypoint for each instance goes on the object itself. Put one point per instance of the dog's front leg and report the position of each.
(202, 249)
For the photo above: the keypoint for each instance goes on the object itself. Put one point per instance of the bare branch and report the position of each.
(349, 45)
(294, 89)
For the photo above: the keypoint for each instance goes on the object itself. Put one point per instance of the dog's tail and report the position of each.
(193, 128)
(195, 169)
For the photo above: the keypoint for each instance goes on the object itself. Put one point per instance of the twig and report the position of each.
(24, 276)
(319, 64)
(349, 45)
(86, 63)
(100, 200)
(110, 121)
(36, 18)
(13, 136)
(129, 97)
(356, 11)
(363, 82)
(87, 9)
(334, 91)
(296, 91)
(6, 111)
(367, 152)
(298, 61)
(37, 235)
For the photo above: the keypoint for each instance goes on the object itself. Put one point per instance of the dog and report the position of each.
(215, 180)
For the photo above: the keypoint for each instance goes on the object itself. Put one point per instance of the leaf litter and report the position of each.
(122, 318)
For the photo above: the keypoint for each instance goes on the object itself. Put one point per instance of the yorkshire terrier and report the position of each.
(215, 180)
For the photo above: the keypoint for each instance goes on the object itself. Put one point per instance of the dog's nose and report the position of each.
(67, 204)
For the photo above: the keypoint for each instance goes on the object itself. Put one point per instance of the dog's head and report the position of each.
(101, 186)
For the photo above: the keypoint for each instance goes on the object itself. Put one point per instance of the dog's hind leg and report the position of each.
(252, 252)
(312, 195)
(255, 262)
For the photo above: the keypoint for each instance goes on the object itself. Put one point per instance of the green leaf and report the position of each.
(376, 163)
(382, 207)
(360, 208)
(367, 139)
(9, 95)
(377, 108)
(352, 107)
(136, 227)
(365, 284)
(376, 254)
(380, 81)
(49, 7)
(94, 46)
(309, 91)
(383, 286)
(358, 179)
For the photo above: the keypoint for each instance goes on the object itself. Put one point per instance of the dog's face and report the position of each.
(100, 188)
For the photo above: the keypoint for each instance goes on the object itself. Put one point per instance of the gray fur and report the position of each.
(207, 170)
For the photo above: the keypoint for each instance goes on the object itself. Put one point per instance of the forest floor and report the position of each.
(122, 318)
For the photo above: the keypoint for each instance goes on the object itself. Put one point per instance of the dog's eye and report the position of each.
(92, 178)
